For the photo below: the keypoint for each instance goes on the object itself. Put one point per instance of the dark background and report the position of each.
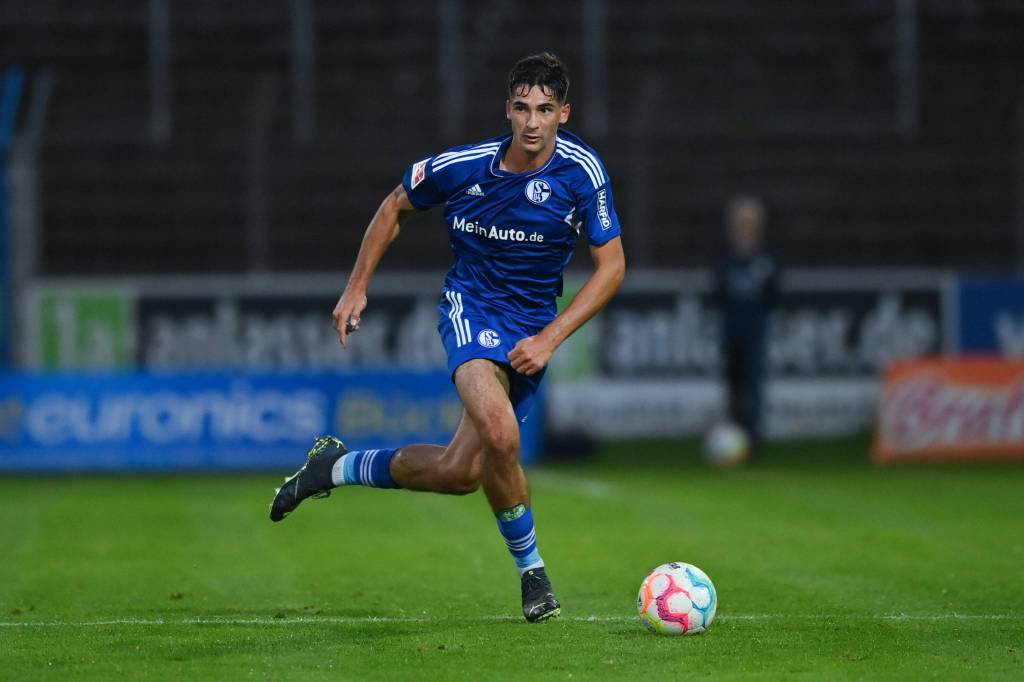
(880, 132)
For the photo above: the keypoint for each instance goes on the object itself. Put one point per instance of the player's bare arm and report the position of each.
(531, 354)
(383, 229)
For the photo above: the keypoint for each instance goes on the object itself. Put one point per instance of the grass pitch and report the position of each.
(826, 569)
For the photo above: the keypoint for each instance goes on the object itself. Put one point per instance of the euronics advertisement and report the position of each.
(223, 373)
(200, 420)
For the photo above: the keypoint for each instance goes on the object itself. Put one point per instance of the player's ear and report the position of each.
(563, 115)
(508, 110)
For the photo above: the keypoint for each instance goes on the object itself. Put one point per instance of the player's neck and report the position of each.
(517, 160)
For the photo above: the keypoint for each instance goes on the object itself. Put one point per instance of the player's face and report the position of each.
(535, 115)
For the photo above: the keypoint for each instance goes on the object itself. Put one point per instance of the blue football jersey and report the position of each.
(513, 233)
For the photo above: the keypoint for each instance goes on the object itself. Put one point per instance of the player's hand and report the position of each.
(531, 355)
(347, 313)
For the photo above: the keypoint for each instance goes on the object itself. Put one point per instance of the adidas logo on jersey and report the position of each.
(475, 191)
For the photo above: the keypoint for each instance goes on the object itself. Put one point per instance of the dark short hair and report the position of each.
(545, 70)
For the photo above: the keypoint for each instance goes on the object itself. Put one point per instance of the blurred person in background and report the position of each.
(746, 289)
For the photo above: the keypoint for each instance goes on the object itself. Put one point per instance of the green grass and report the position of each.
(826, 568)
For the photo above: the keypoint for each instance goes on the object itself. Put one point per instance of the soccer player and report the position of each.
(514, 208)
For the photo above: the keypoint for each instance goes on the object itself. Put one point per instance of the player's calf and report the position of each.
(452, 470)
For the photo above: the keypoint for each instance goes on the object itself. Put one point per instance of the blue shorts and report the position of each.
(471, 330)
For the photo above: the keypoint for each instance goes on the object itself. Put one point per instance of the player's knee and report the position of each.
(501, 443)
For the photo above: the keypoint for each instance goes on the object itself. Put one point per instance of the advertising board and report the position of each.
(990, 313)
(961, 408)
(647, 365)
(218, 420)
(650, 364)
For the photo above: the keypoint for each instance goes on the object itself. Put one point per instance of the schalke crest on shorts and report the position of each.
(488, 338)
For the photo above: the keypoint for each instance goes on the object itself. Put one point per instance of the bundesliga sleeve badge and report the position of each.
(419, 171)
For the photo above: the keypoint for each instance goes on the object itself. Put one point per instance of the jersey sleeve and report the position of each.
(596, 212)
(431, 182)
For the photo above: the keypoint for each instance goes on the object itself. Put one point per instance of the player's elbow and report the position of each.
(389, 216)
(616, 273)
(610, 260)
(398, 203)
(390, 208)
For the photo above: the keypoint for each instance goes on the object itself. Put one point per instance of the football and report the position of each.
(677, 599)
(726, 445)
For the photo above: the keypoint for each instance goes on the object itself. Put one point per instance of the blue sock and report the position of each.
(516, 526)
(365, 467)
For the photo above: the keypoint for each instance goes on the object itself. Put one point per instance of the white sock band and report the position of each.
(338, 470)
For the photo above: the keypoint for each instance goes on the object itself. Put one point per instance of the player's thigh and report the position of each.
(483, 387)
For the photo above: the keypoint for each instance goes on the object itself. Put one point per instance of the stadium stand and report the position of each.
(781, 99)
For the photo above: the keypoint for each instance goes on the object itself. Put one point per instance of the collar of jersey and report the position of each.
(496, 162)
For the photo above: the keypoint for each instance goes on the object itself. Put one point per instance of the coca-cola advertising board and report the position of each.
(951, 409)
